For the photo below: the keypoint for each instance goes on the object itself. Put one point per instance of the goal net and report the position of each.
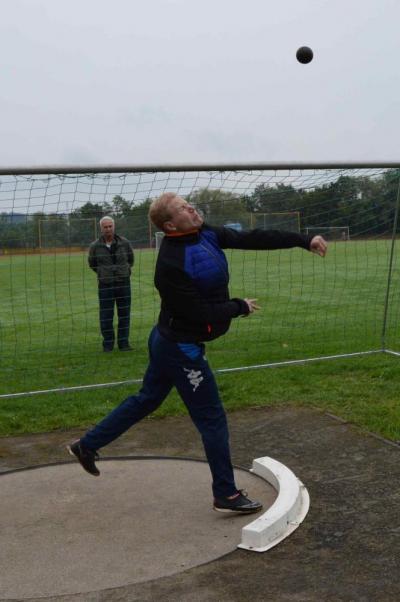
(63, 231)
(285, 220)
(343, 305)
(330, 232)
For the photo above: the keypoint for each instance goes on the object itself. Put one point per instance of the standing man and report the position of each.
(192, 279)
(111, 257)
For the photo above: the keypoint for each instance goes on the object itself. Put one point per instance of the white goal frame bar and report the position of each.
(153, 168)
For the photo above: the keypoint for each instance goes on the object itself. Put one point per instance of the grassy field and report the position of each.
(49, 336)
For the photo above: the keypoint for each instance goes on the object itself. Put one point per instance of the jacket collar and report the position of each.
(115, 238)
(180, 234)
(187, 237)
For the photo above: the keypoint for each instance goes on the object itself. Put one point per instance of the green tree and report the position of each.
(94, 210)
(219, 206)
(276, 199)
(121, 207)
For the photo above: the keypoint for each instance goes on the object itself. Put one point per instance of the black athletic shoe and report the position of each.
(85, 456)
(126, 348)
(240, 504)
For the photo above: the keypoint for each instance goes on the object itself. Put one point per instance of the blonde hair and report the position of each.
(159, 209)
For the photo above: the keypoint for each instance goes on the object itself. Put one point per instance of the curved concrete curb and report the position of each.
(285, 515)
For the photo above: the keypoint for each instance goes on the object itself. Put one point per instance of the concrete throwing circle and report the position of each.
(66, 532)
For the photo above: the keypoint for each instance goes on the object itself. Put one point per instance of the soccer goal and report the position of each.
(330, 232)
(158, 237)
(345, 305)
(65, 232)
(285, 220)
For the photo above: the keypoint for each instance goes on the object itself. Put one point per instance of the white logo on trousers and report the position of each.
(194, 377)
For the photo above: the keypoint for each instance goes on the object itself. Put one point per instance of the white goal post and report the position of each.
(159, 236)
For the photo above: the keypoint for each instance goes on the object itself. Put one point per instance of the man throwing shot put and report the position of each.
(192, 279)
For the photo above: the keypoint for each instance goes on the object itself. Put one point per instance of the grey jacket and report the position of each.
(111, 264)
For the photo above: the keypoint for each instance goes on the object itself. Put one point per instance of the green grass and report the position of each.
(49, 337)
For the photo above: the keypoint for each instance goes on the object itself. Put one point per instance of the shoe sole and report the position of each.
(76, 458)
(235, 511)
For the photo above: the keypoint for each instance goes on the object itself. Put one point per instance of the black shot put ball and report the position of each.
(304, 55)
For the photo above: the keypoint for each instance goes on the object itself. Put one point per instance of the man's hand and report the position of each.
(319, 246)
(252, 305)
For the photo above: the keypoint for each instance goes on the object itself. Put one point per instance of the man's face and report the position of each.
(184, 217)
(107, 229)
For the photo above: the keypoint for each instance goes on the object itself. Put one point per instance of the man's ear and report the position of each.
(169, 227)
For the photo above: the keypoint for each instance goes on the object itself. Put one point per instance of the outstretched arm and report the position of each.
(261, 240)
(269, 240)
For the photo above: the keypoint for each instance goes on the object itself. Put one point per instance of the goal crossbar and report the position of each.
(190, 167)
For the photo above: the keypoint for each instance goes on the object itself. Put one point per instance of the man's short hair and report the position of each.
(106, 217)
(159, 209)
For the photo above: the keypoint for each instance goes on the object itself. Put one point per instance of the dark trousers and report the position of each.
(119, 294)
(183, 366)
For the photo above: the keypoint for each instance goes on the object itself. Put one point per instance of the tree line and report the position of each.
(364, 205)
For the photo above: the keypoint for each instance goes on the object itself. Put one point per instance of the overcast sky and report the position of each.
(184, 81)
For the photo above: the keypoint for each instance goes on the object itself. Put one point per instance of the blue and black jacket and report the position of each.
(192, 278)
